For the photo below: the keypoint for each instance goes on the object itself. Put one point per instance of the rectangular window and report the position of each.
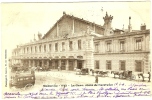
(122, 65)
(56, 47)
(44, 48)
(70, 45)
(24, 50)
(138, 44)
(96, 64)
(49, 47)
(108, 46)
(79, 44)
(27, 49)
(138, 66)
(97, 47)
(31, 49)
(108, 64)
(35, 49)
(122, 45)
(63, 46)
(40, 48)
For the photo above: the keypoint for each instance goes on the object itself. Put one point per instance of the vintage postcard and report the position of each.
(75, 50)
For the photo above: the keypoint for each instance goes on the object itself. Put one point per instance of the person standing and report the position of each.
(96, 79)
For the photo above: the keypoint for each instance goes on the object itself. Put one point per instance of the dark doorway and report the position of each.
(71, 65)
(56, 64)
(63, 64)
(40, 63)
(79, 64)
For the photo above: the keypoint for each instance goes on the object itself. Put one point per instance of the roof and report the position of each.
(71, 16)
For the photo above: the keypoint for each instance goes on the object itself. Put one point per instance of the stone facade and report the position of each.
(76, 43)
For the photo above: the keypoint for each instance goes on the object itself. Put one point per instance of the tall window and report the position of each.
(40, 48)
(35, 49)
(122, 65)
(49, 47)
(27, 49)
(108, 46)
(56, 47)
(122, 45)
(96, 64)
(79, 44)
(44, 48)
(70, 45)
(97, 47)
(31, 49)
(138, 66)
(24, 50)
(63, 46)
(138, 44)
(108, 64)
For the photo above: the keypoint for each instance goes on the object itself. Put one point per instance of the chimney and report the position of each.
(129, 26)
(39, 36)
(143, 27)
(64, 13)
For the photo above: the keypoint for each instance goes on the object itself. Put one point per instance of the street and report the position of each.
(70, 78)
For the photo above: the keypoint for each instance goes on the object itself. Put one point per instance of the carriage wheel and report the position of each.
(28, 86)
(133, 77)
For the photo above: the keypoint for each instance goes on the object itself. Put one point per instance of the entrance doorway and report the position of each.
(50, 65)
(56, 64)
(63, 64)
(40, 63)
(71, 65)
(79, 64)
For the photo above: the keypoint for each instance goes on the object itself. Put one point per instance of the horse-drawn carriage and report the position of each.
(124, 75)
(22, 80)
(99, 73)
(82, 71)
(19, 68)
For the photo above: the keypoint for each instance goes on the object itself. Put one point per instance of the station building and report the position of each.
(73, 42)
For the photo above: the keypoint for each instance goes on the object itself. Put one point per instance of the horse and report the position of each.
(116, 73)
(143, 77)
(94, 71)
(102, 73)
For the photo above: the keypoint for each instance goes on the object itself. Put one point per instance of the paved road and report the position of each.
(69, 77)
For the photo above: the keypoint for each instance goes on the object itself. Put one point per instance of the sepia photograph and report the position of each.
(75, 50)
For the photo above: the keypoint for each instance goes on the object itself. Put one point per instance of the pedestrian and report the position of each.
(96, 79)
(58, 68)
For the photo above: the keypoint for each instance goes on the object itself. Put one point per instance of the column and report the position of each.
(75, 64)
(67, 64)
(53, 64)
(38, 63)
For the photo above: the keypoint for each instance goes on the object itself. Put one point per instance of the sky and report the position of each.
(20, 21)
